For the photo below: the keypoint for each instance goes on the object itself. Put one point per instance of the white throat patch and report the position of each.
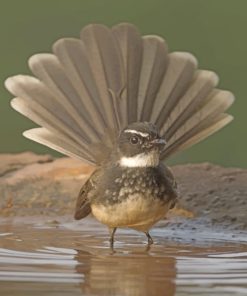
(140, 160)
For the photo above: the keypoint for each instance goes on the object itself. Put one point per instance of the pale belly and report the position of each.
(135, 212)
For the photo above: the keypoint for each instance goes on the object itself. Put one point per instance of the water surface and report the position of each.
(40, 258)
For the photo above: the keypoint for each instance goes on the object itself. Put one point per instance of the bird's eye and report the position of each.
(134, 140)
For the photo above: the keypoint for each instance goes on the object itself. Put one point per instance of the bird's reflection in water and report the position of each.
(138, 273)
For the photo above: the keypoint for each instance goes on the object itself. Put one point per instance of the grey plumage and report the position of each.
(91, 88)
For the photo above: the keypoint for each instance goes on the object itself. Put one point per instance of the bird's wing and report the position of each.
(90, 88)
(83, 206)
(170, 183)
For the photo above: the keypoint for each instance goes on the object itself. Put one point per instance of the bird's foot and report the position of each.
(150, 240)
(112, 233)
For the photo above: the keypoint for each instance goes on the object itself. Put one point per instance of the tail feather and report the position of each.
(152, 72)
(48, 69)
(73, 57)
(91, 88)
(131, 47)
(107, 67)
(201, 86)
(28, 109)
(37, 103)
(58, 143)
(197, 134)
(37, 95)
(178, 77)
(216, 103)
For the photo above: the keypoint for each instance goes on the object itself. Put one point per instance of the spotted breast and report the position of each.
(133, 197)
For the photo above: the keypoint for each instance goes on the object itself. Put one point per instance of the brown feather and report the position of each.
(91, 88)
(83, 207)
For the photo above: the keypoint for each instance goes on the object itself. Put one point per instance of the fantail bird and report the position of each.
(120, 102)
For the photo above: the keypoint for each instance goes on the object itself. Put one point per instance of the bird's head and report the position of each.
(140, 145)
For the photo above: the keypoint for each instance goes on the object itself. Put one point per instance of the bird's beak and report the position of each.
(159, 142)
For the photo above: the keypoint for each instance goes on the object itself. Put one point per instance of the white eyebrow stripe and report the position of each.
(136, 132)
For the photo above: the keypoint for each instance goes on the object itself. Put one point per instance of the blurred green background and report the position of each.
(215, 31)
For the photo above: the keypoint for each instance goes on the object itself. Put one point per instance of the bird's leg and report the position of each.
(112, 232)
(150, 240)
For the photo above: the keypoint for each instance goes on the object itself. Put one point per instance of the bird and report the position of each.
(123, 103)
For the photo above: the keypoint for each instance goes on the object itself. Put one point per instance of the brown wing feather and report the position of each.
(83, 206)
(173, 185)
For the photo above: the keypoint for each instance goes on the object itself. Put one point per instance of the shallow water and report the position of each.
(40, 258)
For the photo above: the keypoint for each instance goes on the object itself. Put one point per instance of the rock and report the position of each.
(12, 162)
(214, 192)
(41, 185)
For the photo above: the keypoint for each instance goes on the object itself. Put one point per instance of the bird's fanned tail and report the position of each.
(90, 88)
